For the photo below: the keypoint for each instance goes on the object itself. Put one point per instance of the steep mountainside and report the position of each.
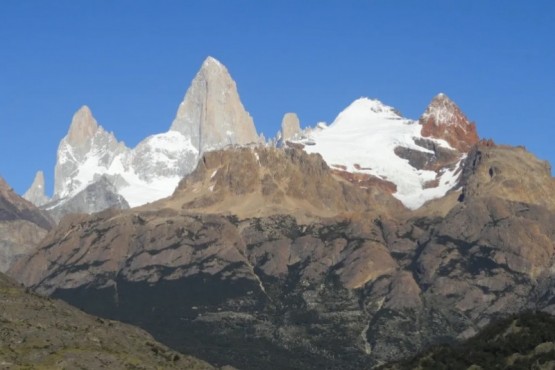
(42, 333)
(22, 226)
(369, 283)
(211, 113)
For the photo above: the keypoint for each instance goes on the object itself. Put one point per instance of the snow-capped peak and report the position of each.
(210, 117)
(365, 107)
(372, 138)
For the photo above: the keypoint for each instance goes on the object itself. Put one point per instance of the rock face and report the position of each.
(352, 290)
(49, 334)
(212, 114)
(96, 197)
(22, 226)
(443, 119)
(501, 170)
(36, 194)
(290, 127)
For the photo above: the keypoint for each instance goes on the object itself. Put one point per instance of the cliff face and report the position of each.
(443, 119)
(369, 283)
(211, 113)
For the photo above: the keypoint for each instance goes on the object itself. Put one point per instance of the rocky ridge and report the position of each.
(351, 290)
(285, 181)
(22, 226)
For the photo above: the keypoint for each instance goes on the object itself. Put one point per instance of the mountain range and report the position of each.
(350, 245)
(369, 141)
(210, 117)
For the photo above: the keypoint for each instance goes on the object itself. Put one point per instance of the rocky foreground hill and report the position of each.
(268, 258)
(43, 333)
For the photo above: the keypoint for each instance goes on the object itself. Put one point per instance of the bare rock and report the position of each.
(509, 173)
(285, 181)
(36, 193)
(443, 119)
(212, 114)
(290, 127)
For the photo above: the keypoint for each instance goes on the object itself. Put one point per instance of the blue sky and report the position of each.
(132, 61)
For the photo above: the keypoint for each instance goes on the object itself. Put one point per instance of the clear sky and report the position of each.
(132, 61)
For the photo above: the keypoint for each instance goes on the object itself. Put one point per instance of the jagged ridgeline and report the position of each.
(347, 245)
(369, 142)
(210, 117)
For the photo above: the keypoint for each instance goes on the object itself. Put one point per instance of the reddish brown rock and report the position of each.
(367, 181)
(443, 119)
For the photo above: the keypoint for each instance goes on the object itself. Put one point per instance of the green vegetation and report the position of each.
(524, 341)
(43, 333)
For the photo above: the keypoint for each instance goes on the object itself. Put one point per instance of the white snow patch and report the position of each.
(150, 171)
(366, 134)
